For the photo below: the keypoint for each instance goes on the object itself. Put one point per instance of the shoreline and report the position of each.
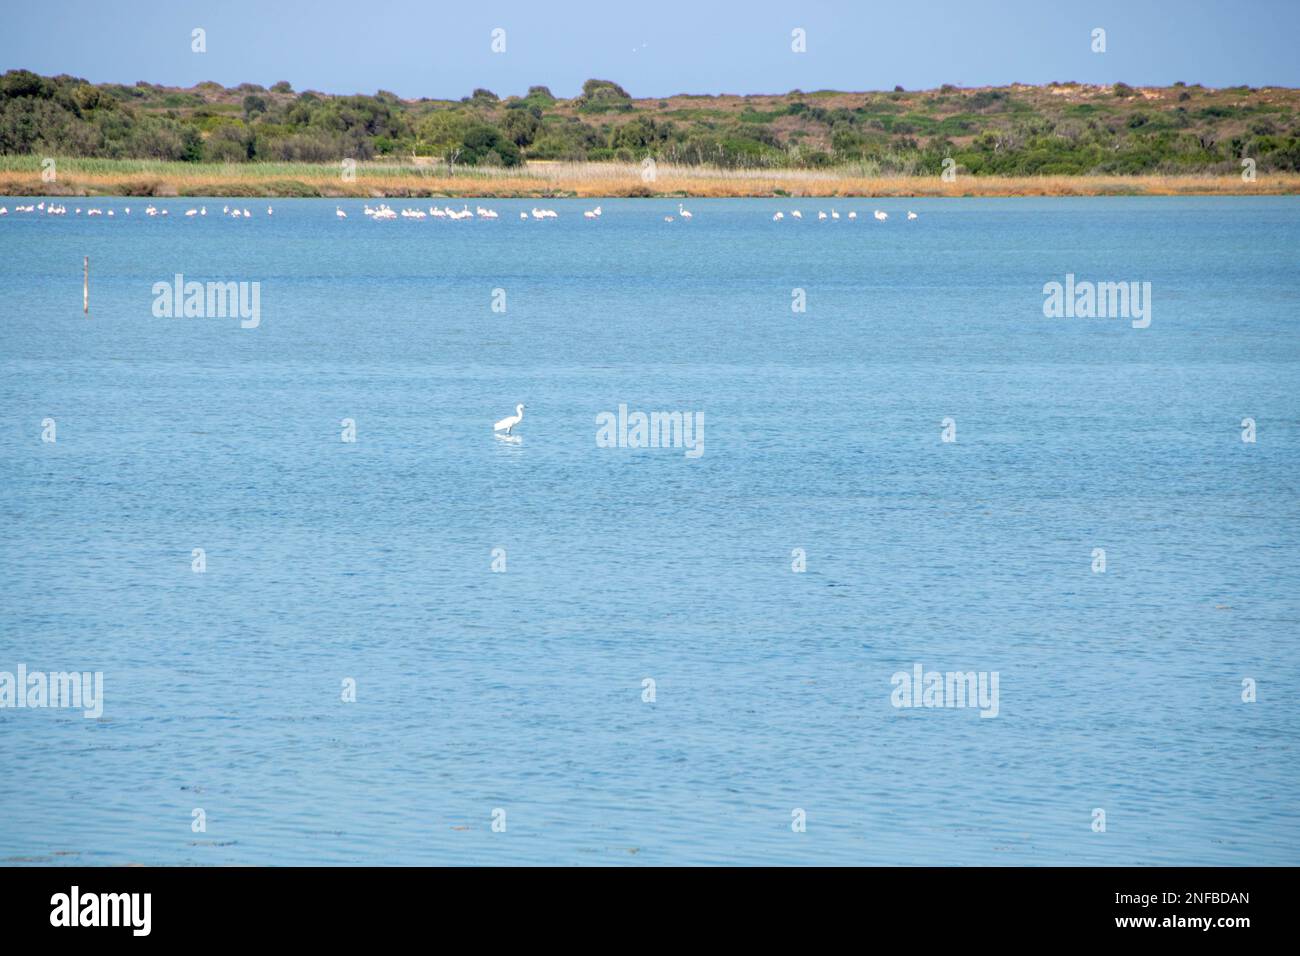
(21, 176)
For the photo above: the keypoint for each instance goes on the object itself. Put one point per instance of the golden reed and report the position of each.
(20, 176)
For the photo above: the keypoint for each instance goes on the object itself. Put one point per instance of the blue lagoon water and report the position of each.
(522, 691)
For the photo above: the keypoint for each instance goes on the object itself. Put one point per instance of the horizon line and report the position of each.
(957, 85)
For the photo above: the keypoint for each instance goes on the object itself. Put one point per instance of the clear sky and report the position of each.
(654, 47)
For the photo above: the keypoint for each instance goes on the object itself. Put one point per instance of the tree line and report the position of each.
(1061, 129)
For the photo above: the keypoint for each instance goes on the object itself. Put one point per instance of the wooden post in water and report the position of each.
(85, 285)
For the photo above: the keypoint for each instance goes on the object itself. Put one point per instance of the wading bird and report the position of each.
(510, 421)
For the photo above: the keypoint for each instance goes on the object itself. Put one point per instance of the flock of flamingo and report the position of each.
(384, 212)
(880, 215)
(151, 210)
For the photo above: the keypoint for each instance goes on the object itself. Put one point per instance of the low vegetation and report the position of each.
(292, 140)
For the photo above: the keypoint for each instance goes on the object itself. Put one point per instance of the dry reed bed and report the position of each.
(21, 176)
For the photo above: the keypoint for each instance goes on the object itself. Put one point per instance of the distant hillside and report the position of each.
(1061, 129)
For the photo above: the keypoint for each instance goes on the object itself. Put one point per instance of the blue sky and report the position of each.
(442, 49)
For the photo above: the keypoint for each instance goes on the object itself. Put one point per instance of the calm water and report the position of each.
(523, 690)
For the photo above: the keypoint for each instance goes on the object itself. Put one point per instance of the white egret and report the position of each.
(510, 421)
